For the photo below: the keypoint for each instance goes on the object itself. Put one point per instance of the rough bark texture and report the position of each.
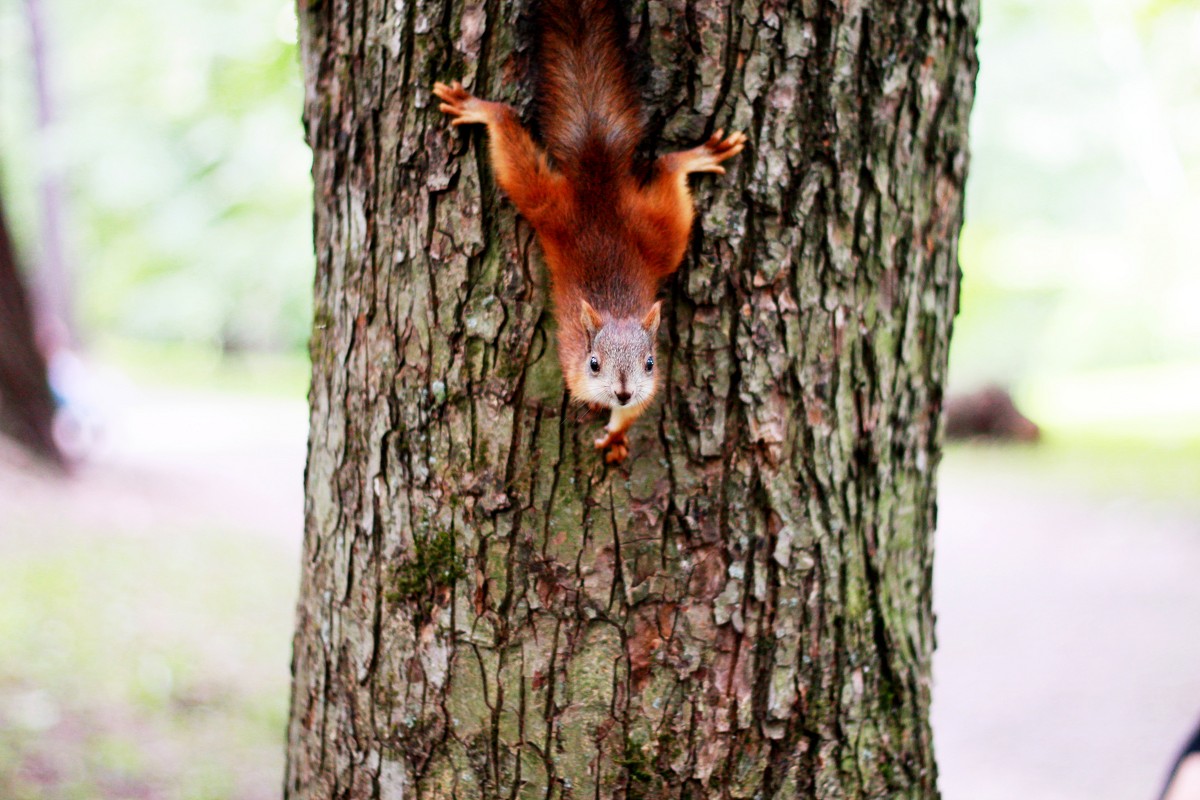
(743, 609)
(26, 405)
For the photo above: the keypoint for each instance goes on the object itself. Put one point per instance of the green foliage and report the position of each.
(183, 154)
(1078, 252)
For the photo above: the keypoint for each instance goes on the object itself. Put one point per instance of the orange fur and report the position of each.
(608, 239)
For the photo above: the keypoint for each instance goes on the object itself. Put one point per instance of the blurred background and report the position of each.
(154, 182)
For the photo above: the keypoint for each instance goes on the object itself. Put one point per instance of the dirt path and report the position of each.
(1068, 662)
(170, 459)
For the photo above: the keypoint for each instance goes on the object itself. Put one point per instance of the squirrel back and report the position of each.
(590, 111)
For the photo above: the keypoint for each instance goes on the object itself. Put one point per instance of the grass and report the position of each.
(144, 667)
(194, 366)
(1103, 468)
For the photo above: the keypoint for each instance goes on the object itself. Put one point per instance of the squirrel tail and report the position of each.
(590, 115)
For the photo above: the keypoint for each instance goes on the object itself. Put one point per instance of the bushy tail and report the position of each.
(590, 114)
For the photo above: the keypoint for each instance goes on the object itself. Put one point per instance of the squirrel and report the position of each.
(609, 236)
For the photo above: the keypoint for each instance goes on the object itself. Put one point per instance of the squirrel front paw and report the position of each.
(617, 446)
(457, 102)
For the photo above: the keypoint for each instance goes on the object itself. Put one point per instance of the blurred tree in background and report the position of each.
(26, 405)
(184, 162)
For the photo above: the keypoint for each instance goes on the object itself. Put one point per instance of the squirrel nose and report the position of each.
(623, 397)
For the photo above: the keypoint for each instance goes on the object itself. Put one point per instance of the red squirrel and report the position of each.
(609, 237)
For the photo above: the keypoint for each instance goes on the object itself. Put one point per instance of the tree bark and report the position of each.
(743, 608)
(26, 404)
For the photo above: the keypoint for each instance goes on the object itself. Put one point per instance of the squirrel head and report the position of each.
(618, 368)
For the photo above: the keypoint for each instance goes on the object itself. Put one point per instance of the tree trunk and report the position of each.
(54, 284)
(743, 608)
(26, 405)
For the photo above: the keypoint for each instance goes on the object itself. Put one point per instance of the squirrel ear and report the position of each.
(652, 318)
(590, 318)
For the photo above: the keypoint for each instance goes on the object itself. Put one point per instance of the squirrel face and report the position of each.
(619, 368)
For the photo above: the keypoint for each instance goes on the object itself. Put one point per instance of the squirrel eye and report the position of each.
(650, 364)
(594, 364)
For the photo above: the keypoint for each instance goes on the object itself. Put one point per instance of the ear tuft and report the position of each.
(590, 318)
(652, 318)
